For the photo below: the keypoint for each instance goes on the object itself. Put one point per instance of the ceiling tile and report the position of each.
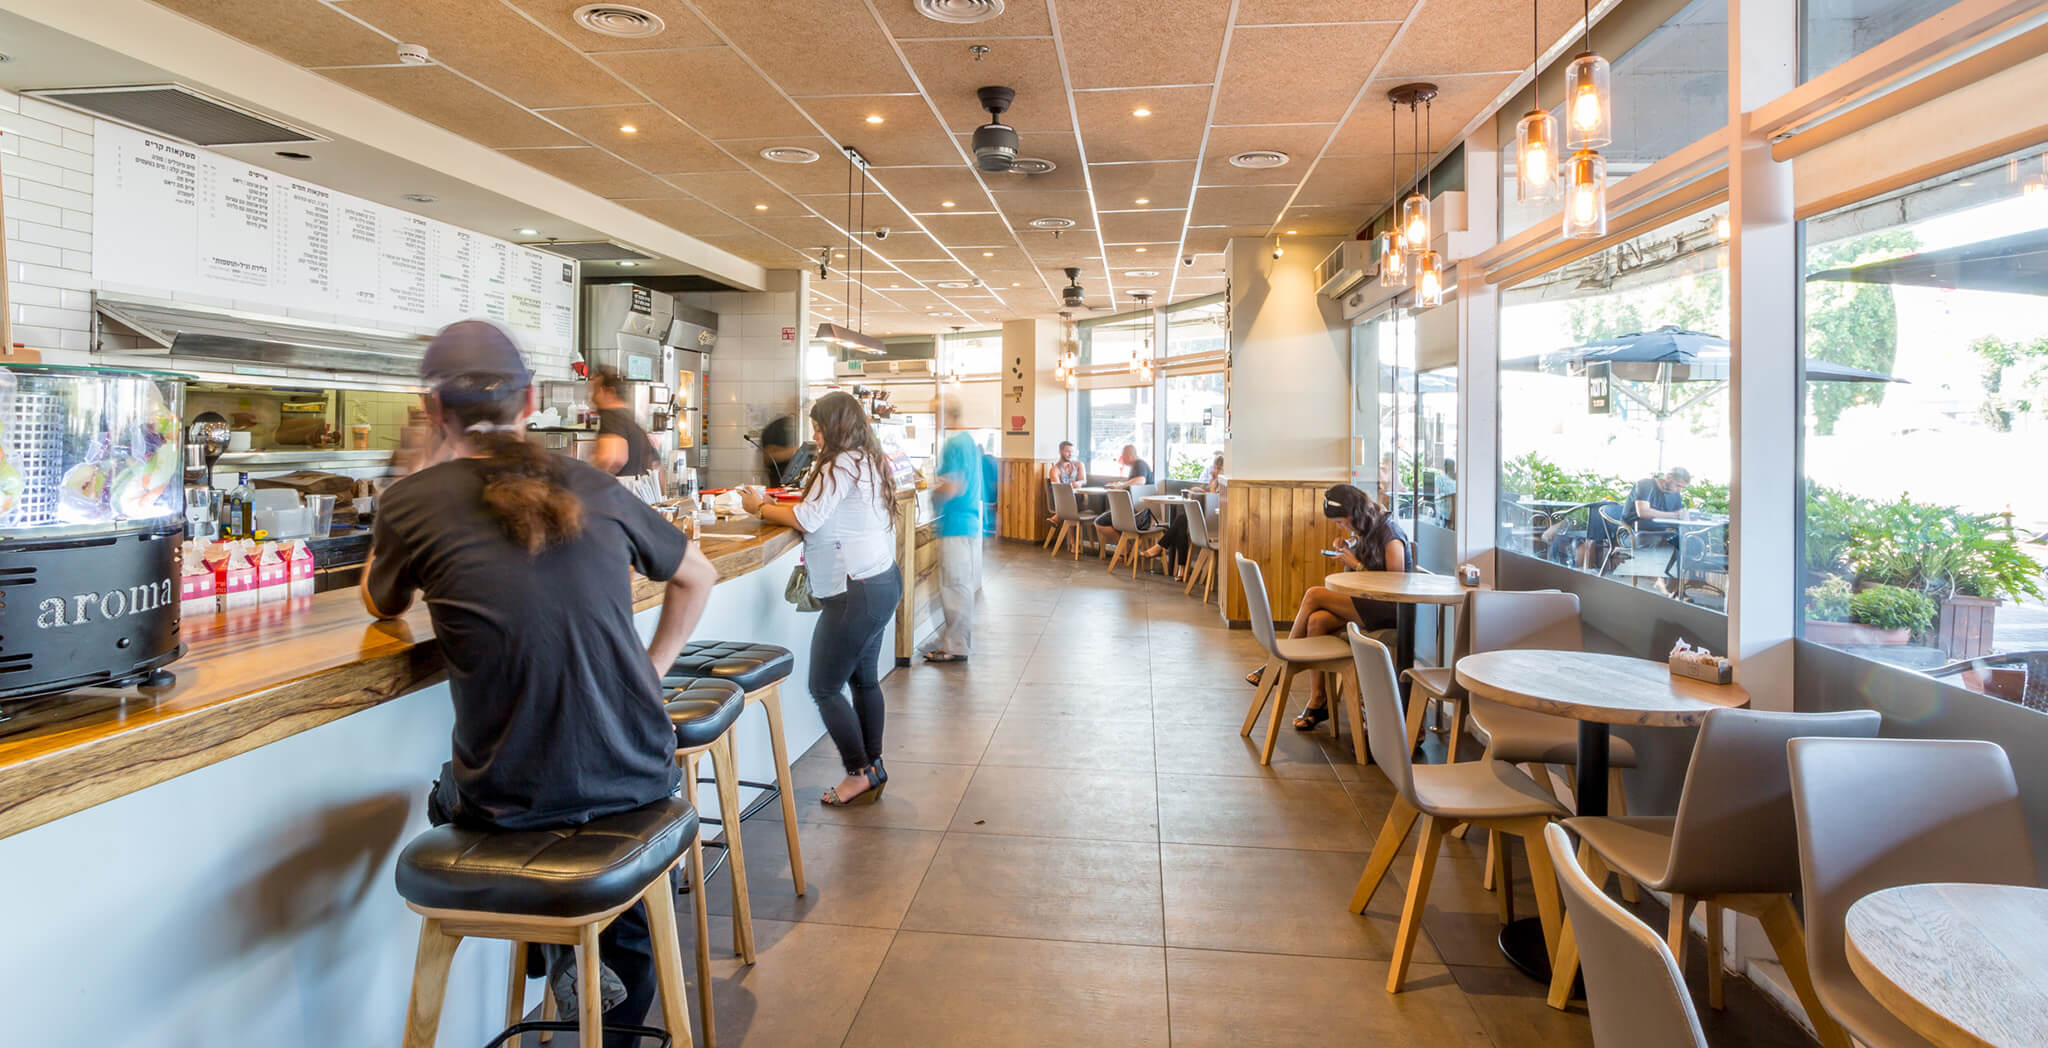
(712, 90)
(1277, 12)
(970, 233)
(1324, 221)
(1206, 241)
(1459, 99)
(685, 215)
(438, 96)
(1348, 180)
(1031, 68)
(1297, 74)
(928, 189)
(595, 170)
(908, 133)
(738, 193)
(1471, 36)
(827, 174)
(1019, 18)
(994, 260)
(1128, 43)
(659, 142)
(680, 28)
(779, 37)
(934, 271)
(1024, 205)
(760, 249)
(1121, 186)
(303, 31)
(904, 245)
(1238, 205)
(497, 46)
(1301, 142)
(1141, 227)
(806, 233)
(1173, 131)
(878, 210)
(1142, 256)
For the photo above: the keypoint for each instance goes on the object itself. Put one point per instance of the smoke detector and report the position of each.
(414, 54)
(1051, 223)
(789, 154)
(1260, 159)
(960, 12)
(621, 20)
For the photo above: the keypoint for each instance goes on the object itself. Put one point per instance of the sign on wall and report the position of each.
(1599, 389)
(176, 219)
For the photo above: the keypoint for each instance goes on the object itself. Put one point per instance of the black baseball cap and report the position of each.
(474, 360)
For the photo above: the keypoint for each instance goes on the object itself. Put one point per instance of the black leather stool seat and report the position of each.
(567, 872)
(751, 666)
(702, 710)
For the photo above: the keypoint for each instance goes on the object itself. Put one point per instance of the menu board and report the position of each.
(178, 219)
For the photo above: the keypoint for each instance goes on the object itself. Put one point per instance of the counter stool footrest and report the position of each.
(515, 1032)
(769, 794)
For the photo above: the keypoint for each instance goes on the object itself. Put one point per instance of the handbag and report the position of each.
(798, 590)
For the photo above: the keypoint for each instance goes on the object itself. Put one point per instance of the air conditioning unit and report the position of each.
(1351, 263)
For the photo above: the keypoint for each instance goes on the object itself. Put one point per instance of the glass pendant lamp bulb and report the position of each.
(1415, 222)
(1429, 280)
(1391, 250)
(1585, 212)
(1536, 158)
(1589, 102)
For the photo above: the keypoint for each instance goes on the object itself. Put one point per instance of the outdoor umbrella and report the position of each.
(2016, 264)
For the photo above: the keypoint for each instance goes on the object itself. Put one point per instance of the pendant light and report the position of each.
(1536, 153)
(1393, 249)
(1415, 209)
(1429, 272)
(1585, 195)
(841, 335)
(1588, 94)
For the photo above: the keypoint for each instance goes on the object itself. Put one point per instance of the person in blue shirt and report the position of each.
(958, 487)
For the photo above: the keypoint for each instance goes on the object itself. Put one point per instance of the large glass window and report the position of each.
(1197, 327)
(1614, 413)
(1670, 90)
(1926, 421)
(1112, 418)
(1196, 406)
(1833, 31)
(973, 352)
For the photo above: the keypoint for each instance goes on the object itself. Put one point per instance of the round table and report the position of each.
(1406, 589)
(1598, 691)
(1168, 503)
(1962, 964)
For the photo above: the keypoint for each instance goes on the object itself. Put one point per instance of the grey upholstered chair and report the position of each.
(1067, 507)
(1490, 794)
(1731, 845)
(1879, 813)
(1634, 989)
(1286, 658)
(1123, 517)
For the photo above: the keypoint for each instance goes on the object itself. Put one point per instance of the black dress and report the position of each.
(1371, 551)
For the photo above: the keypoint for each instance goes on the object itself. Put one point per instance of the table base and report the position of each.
(1521, 942)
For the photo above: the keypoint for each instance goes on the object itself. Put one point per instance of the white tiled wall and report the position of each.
(46, 174)
(751, 365)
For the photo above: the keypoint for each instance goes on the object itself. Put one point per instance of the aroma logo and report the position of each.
(80, 609)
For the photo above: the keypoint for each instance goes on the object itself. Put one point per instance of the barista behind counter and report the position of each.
(623, 449)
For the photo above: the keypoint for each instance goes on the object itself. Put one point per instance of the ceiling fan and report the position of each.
(995, 143)
(1072, 296)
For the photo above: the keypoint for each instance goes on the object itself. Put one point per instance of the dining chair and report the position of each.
(1067, 507)
(1621, 542)
(1123, 517)
(1203, 568)
(1879, 813)
(1286, 658)
(1490, 794)
(1054, 520)
(1731, 845)
(1635, 990)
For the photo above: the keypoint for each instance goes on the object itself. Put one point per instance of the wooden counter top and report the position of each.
(249, 678)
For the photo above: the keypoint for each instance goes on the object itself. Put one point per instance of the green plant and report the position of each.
(1892, 608)
(1988, 561)
(1708, 496)
(1829, 601)
(1184, 468)
(1834, 520)
(1942, 550)
(1539, 478)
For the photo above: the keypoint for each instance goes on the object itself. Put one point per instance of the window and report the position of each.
(1113, 340)
(1926, 399)
(972, 353)
(1110, 419)
(1196, 327)
(1613, 383)
(1833, 31)
(1670, 90)
(1196, 406)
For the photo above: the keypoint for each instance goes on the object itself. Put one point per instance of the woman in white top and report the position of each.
(847, 517)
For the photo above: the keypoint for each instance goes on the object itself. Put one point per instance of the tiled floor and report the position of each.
(1076, 848)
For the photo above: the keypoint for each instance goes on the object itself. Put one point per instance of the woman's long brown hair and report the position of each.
(524, 483)
(841, 425)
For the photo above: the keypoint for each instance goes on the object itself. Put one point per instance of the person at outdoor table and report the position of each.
(1140, 473)
(1656, 500)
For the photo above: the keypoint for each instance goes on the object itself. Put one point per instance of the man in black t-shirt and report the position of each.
(558, 707)
(1140, 473)
(623, 449)
(1652, 504)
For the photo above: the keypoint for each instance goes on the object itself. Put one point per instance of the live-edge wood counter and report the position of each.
(250, 678)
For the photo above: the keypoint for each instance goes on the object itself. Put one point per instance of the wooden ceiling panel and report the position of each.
(739, 193)
(806, 233)
(711, 89)
(498, 46)
(685, 215)
(933, 272)
(1142, 227)
(303, 31)
(1349, 180)
(879, 211)
(1474, 36)
(907, 135)
(905, 245)
(595, 170)
(1019, 18)
(1297, 74)
(658, 142)
(970, 234)
(1161, 257)
(1161, 185)
(680, 28)
(779, 36)
(1127, 43)
(951, 76)
(827, 174)
(1172, 132)
(1237, 205)
(438, 96)
(1301, 143)
(996, 260)
(1324, 221)
(1283, 12)
(927, 190)
(1205, 241)
(1021, 206)
(1458, 100)
(759, 249)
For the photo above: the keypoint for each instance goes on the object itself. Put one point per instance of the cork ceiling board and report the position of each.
(304, 31)
(680, 28)
(438, 96)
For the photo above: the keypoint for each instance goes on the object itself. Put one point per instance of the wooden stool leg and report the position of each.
(547, 1014)
(725, 772)
(785, 785)
(700, 909)
(668, 961)
(589, 988)
(429, 984)
(515, 988)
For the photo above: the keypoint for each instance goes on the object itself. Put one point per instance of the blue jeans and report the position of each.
(844, 649)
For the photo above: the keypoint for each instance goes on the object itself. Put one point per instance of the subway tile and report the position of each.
(56, 154)
(25, 210)
(30, 128)
(35, 171)
(78, 140)
(79, 180)
(29, 251)
(51, 316)
(56, 196)
(37, 337)
(78, 220)
(55, 114)
(31, 295)
(78, 260)
(70, 299)
(78, 341)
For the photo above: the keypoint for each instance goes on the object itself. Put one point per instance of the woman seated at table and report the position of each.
(1175, 541)
(1369, 540)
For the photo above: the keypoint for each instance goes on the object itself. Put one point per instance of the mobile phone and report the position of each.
(1332, 554)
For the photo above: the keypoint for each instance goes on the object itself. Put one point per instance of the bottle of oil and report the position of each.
(241, 522)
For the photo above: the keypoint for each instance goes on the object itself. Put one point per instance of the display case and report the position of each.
(91, 506)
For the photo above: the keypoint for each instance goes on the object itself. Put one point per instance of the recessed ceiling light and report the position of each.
(945, 203)
(838, 254)
(628, 129)
(988, 254)
(289, 155)
(960, 12)
(1013, 284)
(1141, 272)
(420, 198)
(1290, 232)
(874, 118)
(953, 285)
(528, 232)
(1141, 111)
(789, 154)
(760, 207)
(620, 20)
(1142, 250)
(1144, 200)
(1260, 158)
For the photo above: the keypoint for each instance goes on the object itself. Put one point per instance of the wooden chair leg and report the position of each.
(429, 984)
(1279, 702)
(725, 773)
(1617, 805)
(1564, 968)
(1674, 935)
(785, 783)
(668, 961)
(1400, 819)
(1418, 901)
(1487, 878)
(515, 986)
(1354, 702)
(1714, 962)
(1542, 878)
(1457, 735)
(1788, 939)
(1267, 679)
(589, 988)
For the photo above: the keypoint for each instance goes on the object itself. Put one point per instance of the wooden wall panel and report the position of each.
(1279, 524)
(1021, 500)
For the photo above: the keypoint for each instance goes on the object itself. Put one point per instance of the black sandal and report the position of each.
(1312, 717)
(876, 780)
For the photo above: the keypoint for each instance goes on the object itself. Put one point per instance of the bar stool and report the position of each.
(703, 713)
(759, 669)
(563, 887)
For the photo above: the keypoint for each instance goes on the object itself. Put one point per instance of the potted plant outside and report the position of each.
(1828, 618)
(1891, 614)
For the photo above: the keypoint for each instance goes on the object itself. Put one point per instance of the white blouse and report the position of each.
(847, 523)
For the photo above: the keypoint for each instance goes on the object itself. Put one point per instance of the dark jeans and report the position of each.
(624, 946)
(844, 649)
